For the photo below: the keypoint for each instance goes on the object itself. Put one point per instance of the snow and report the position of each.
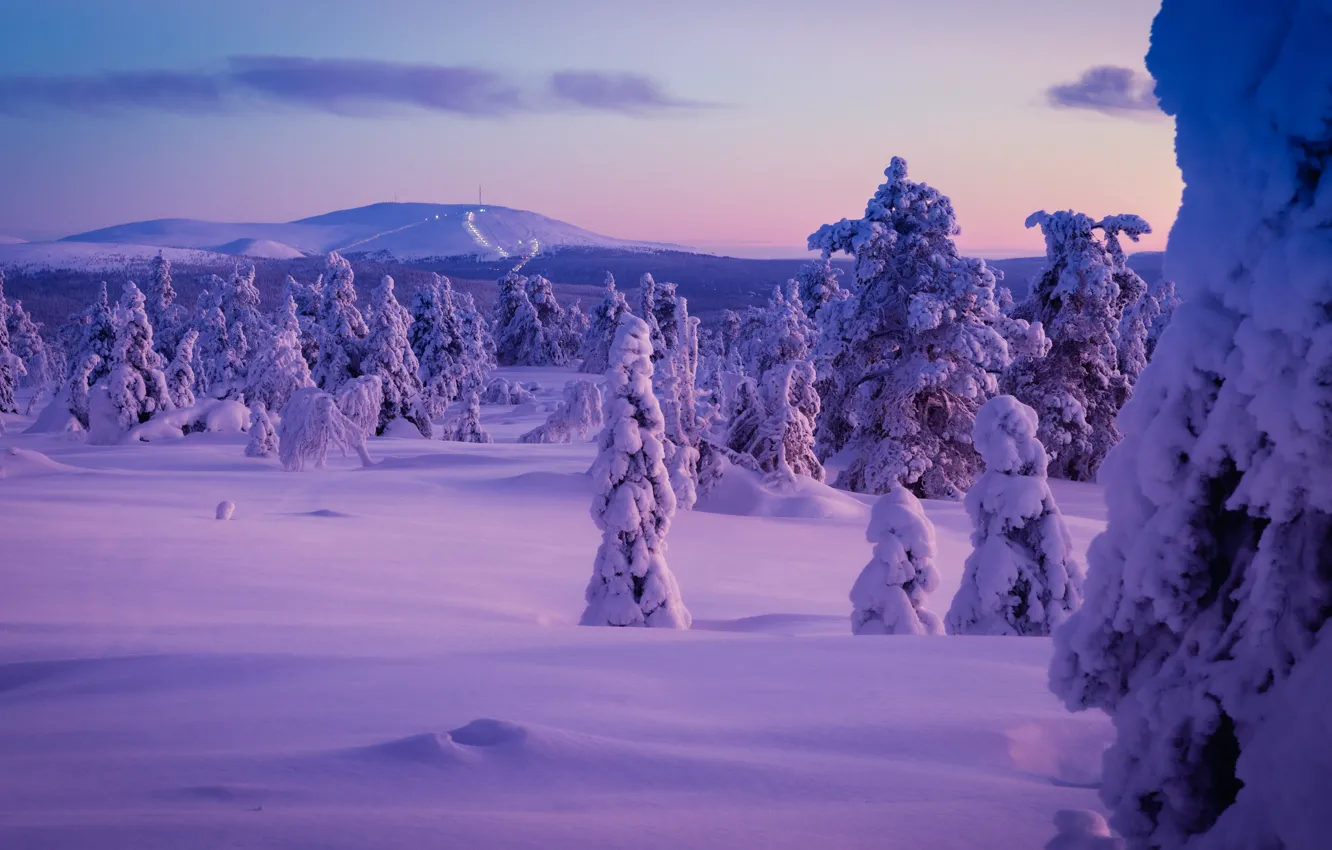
(380, 657)
(101, 256)
(267, 249)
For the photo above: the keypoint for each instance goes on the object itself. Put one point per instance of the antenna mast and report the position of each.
(478, 194)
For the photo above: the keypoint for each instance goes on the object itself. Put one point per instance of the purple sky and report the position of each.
(736, 126)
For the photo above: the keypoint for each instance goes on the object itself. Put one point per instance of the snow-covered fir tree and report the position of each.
(361, 400)
(136, 384)
(600, 336)
(81, 380)
(889, 596)
(240, 304)
(436, 339)
(26, 343)
(263, 438)
(168, 319)
(576, 415)
(552, 316)
(1077, 388)
(180, 372)
(1021, 577)
(921, 352)
(676, 380)
(388, 354)
(342, 328)
(11, 366)
(216, 356)
(520, 340)
(99, 338)
(1210, 590)
(784, 442)
(1141, 327)
(309, 308)
(312, 423)
(817, 286)
(279, 369)
(664, 311)
(467, 427)
(745, 417)
(478, 344)
(631, 584)
(778, 334)
(572, 333)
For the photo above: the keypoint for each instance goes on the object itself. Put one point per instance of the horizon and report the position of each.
(639, 124)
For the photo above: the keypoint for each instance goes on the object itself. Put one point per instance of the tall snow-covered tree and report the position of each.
(572, 332)
(164, 314)
(180, 372)
(552, 316)
(26, 343)
(279, 369)
(309, 309)
(778, 334)
(1077, 388)
(311, 423)
(388, 354)
(1021, 577)
(11, 366)
(817, 286)
(647, 311)
(99, 337)
(921, 352)
(889, 596)
(215, 353)
(240, 304)
(436, 339)
(342, 329)
(478, 345)
(676, 380)
(784, 443)
(600, 336)
(136, 385)
(1141, 327)
(1209, 592)
(520, 340)
(631, 584)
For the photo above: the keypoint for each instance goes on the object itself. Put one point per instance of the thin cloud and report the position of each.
(1107, 89)
(339, 86)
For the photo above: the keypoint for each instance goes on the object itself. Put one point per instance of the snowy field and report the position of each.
(388, 657)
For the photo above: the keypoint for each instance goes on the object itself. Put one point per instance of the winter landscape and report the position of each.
(462, 525)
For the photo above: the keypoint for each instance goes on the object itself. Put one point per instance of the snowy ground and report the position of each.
(388, 658)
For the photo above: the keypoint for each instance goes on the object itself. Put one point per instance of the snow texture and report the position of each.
(889, 596)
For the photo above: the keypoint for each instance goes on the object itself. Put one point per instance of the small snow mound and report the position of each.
(741, 492)
(213, 416)
(777, 624)
(426, 748)
(485, 732)
(23, 463)
(265, 249)
(1082, 829)
(1060, 750)
(226, 510)
(328, 513)
(403, 429)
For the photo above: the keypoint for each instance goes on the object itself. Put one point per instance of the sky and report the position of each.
(736, 127)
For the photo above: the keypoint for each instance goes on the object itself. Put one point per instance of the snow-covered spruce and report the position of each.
(169, 319)
(240, 304)
(279, 369)
(80, 384)
(467, 427)
(578, 414)
(520, 340)
(888, 597)
(676, 382)
(180, 372)
(1077, 388)
(634, 503)
(360, 400)
(647, 311)
(551, 316)
(26, 343)
(94, 348)
(388, 354)
(435, 334)
(784, 443)
(1141, 327)
(342, 329)
(573, 331)
(263, 438)
(817, 286)
(504, 391)
(604, 322)
(136, 386)
(11, 366)
(1021, 577)
(778, 334)
(1210, 590)
(478, 344)
(920, 350)
(309, 301)
(310, 424)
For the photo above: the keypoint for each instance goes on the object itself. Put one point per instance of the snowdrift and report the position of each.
(742, 492)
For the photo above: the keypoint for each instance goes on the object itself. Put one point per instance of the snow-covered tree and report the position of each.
(342, 329)
(180, 372)
(1021, 577)
(26, 343)
(1141, 327)
(888, 597)
(1077, 388)
(361, 400)
(11, 366)
(541, 292)
(168, 319)
(600, 336)
(920, 351)
(99, 337)
(745, 418)
(467, 427)
(573, 331)
(478, 345)
(279, 369)
(647, 311)
(388, 354)
(817, 287)
(1209, 592)
(778, 334)
(263, 438)
(136, 385)
(309, 307)
(577, 414)
(436, 339)
(520, 340)
(217, 357)
(784, 442)
(80, 382)
(311, 423)
(240, 304)
(676, 382)
(634, 503)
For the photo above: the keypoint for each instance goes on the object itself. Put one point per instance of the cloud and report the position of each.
(338, 86)
(1107, 89)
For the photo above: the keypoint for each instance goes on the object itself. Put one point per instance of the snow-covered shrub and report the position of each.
(578, 414)
(1076, 388)
(1209, 591)
(341, 330)
(888, 597)
(180, 372)
(279, 369)
(263, 437)
(310, 424)
(504, 391)
(136, 386)
(467, 427)
(388, 355)
(520, 339)
(634, 503)
(1021, 577)
(919, 349)
(604, 323)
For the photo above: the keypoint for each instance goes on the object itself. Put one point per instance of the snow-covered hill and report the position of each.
(85, 256)
(397, 231)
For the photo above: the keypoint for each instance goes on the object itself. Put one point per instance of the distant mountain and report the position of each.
(402, 232)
